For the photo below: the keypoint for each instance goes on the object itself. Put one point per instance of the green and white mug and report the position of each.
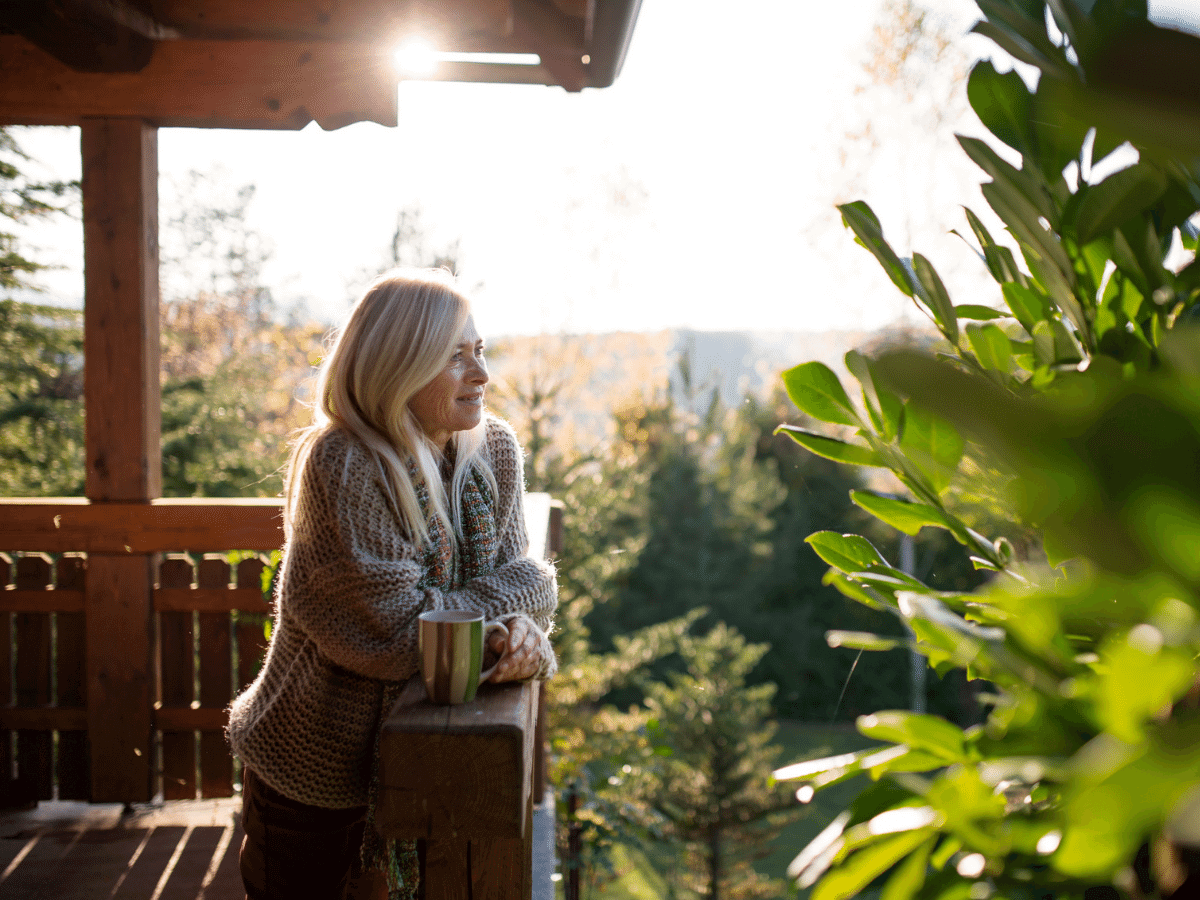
(451, 643)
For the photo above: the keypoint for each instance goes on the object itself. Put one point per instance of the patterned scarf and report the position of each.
(445, 570)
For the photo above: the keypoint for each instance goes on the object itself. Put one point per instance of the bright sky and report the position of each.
(696, 192)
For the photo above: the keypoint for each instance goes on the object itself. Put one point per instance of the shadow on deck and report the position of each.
(171, 851)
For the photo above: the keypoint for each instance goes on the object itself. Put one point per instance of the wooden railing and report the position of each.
(124, 634)
(461, 779)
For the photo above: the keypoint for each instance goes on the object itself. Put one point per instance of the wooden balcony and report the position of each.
(126, 712)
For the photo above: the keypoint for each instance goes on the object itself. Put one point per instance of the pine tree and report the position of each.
(712, 785)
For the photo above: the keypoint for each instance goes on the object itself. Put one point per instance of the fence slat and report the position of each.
(74, 755)
(216, 683)
(9, 792)
(32, 678)
(251, 640)
(176, 651)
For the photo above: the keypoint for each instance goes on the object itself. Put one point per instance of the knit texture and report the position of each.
(350, 589)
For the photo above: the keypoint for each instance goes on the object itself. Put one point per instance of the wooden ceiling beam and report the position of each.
(87, 35)
(556, 38)
(336, 20)
(207, 84)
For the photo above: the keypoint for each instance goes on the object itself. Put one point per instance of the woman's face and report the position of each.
(453, 401)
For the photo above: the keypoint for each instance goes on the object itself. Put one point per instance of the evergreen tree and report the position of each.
(41, 401)
(41, 350)
(712, 786)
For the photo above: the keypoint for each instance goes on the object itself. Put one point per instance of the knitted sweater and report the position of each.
(345, 619)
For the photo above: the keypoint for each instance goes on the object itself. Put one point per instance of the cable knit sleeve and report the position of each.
(351, 576)
(516, 573)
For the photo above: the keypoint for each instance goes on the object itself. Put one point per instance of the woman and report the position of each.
(403, 496)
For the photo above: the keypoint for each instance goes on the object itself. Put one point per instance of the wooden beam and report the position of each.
(60, 601)
(44, 718)
(207, 84)
(556, 38)
(120, 312)
(208, 600)
(119, 676)
(458, 771)
(185, 718)
(160, 526)
(122, 421)
(87, 35)
(347, 20)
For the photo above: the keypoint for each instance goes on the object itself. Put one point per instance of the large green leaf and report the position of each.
(818, 393)
(999, 259)
(1106, 205)
(884, 407)
(862, 640)
(933, 444)
(933, 292)
(865, 865)
(991, 346)
(978, 313)
(1023, 30)
(903, 515)
(1003, 174)
(848, 552)
(862, 221)
(1003, 104)
(1027, 305)
(923, 732)
(857, 591)
(909, 875)
(831, 448)
(1137, 679)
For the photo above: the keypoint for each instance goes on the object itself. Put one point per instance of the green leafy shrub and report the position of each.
(1078, 394)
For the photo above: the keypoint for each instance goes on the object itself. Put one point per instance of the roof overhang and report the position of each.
(283, 63)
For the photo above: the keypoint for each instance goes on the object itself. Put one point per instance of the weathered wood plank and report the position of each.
(250, 635)
(41, 601)
(73, 769)
(32, 678)
(462, 771)
(160, 526)
(216, 681)
(207, 84)
(176, 651)
(9, 789)
(120, 314)
(119, 676)
(46, 718)
(208, 601)
(185, 718)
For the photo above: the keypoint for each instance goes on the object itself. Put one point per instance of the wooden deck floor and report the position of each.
(182, 850)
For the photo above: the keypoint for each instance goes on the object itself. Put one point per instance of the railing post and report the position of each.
(460, 778)
(123, 425)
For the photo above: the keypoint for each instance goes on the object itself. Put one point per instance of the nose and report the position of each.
(478, 373)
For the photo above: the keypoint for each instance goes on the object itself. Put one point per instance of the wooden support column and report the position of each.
(123, 421)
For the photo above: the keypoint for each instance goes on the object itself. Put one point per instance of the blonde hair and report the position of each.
(399, 336)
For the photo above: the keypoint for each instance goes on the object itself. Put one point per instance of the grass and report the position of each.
(638, 879)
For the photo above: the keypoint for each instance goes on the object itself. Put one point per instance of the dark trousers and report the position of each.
(295, 850)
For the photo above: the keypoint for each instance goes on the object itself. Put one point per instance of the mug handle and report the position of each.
(487, 630)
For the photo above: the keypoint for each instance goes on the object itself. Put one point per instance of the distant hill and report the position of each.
(589, 376)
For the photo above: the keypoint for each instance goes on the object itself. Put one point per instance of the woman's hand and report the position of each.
(524, 657)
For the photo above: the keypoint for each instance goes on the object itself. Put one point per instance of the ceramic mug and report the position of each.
(451, 643)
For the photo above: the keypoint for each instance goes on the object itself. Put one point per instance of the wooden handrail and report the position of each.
(461, 779)
(65, 524)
